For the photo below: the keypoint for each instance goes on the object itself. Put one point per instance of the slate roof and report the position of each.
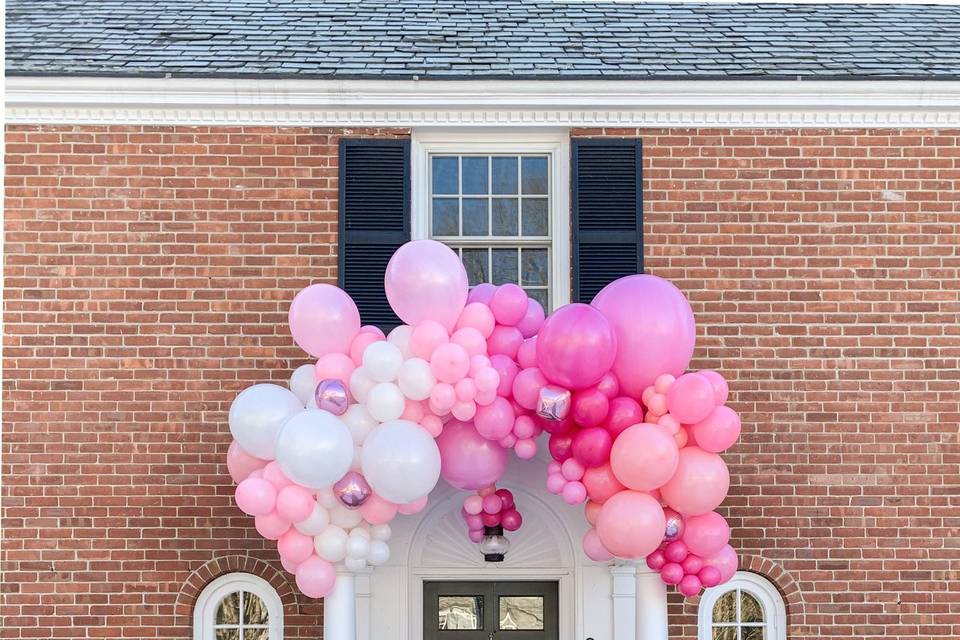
(489, 39)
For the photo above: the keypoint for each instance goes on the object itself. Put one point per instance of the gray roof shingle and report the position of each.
(480, 39)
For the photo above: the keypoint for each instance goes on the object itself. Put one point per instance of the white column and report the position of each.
(340, 610)
(624, 594)
(651, 606)
(363, 603)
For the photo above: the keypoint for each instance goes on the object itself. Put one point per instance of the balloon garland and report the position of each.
(365, 432)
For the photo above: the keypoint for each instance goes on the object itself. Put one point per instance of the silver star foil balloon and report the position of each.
(674, 528)
(352, 490)
(554, 403)
(332, 396)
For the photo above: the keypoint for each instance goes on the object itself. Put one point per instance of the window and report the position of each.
(238, 606)
(748, 607)
(499, 200)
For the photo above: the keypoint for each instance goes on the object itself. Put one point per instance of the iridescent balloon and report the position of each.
(554, 403)
(352, 490)
(332, 396)
(674, 528)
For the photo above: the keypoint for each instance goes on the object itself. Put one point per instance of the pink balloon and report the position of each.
(495, 420)
(443, 396)
(671, 573)
(241, 464)
(706, 534)
(474, 521)
(450, 363)
(473, 505)
(338, 366)
(511, 519)
(525, 427)
(323, 319)
(412, 411)
(591, 511)
(725, 561)
(288, 565)
(527, 353)
(676, 551)
(487, 381)
(720, 387)
(432, 424)
(492, 504)
(504, 340)
(718, 431)
(657, 404)
(506, 496)
(593, 547)
(644, 457)
(574, 492)
(475, 536)
(315, 577)
(624, 412)
(471, 340)
(692, 564)
(375, 330)
(592, 446)
(576, 346)
(508, 441)
(468, 460)
(654, 326)
(490, 519)
(526, 387)
(425, 280)
(482, 293)
(656, 560)
(477, 316)
(691, 398)
(416, 506)
(690, 585)
(571, 469)
(631, 524)
(255, 496)
(275, 476)
(507, 371)
(509, 304)
(601, 483)
(465, 389)
(295, 546)
(532, 320)
(271, 526)
(426, 337)
(525, 448)
(376, 510)
(709, 576)
(700, 483)
(360, 343)
(663, 383)
(555, 483)
(609, 386)
(294, 503)
(590, 407)
(560, 445)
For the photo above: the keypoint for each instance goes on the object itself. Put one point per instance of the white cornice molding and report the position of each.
(409, 103)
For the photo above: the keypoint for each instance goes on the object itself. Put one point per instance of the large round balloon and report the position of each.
(314, 448)
(323, 319)
(401, 461)
(631, 524)
(576, 346)
(654, 327)
(257, 414)
(469, 461)
(700, 483)
(644, 456)
(425, 280)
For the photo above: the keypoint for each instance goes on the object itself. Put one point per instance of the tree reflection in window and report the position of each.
(737, 615)
(241, 616)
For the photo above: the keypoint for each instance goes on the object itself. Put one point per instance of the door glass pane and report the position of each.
(254, 611)
(460, 612)
(725, 609)
(751, 633)
(446, 217)
(521, 612)
(505, 217)
(505, 175)
(505, 266)
(229, 610)
(724, 633)
(445, 174)
(475, 261)
(474, 175)
(750, 609)
(261, 633)
(475, 217)
(228, 634)
(533, 178)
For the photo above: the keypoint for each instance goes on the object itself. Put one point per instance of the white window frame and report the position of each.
(774, 610)
(205, 610)
(554, 143)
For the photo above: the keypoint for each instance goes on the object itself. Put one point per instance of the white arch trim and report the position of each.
(205, 609)
(774, 609)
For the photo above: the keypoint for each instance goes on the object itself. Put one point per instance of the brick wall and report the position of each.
(148, 271)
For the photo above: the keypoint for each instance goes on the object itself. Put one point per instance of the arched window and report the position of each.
(238, 606)
(748, 607)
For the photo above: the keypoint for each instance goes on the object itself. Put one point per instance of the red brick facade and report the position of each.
(148, 271)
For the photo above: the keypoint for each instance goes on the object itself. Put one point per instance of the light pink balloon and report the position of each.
(504, 340)
(509, 304)
(294, 503)
(377, 510)
(425, 280)
(495, 420)
(466, 389)
(487, 381)
(475, 535)
(477, 316)
(527, 353)
(706, 534)
(718, 431)
(525, 448)
(555, 483)
(700, 483)
(507, 371)
(337, 366)
(275, 476)
(574, 492)
(450, 363)
(691, 398)
(292, 566)
(271, 526)
(526, 387)
(412, 411)
(572, 469)
(464, 411)
(492, 504)
(443, 396)
(416, 506)
(593, 547)
(295, 546)
(644, 457)
(363, 340)
(375, 330)
(654, 326)
(720, 387)
(482, 293)
(323, 319)
(725, 561)
(241, 464)
(532, 320)
(255, 496)
(473, 505)
(576, 346)
(433, 425)
(427, 336)
(631, 524)
(468, 460)
(316, 577)
(471, 340)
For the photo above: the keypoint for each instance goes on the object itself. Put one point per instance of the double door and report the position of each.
(490, 610)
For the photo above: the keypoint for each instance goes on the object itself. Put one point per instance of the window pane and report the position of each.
(254, 611)
(229, 610)
(750, 609)
(534, 271)
(228, 634)
(256, 634)
(505, 266)
(725, 609)
(475, 217)
(751, 633)
(445, 175)
(540, 295)
(475, 175)
(460, 612)
(445, 217)
(505, 175)
(724, 633)
(505, 217)
(534, 175)
(535, 217)
(521, 612)
(475, 262)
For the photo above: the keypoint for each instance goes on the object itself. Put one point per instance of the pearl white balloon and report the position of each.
(385, 402)
(355, 564)
(326, 498)
(380, 532)
(345, 518)
(416, 379)
(257, 414)
(357, 546)
(382, 360)
(361, 530)
(359, 421)
(357, 463)
(360, 384)
(378, 553)
(314, 448)
(303, 383)
(401, 461)
(400, 336)
(331, 544)
(316, 522)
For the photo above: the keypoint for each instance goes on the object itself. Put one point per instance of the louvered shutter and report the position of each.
(607, 213)
(374, 220)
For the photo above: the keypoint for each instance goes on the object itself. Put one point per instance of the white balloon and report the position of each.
(314, 448)
(359, 421)
(416, 379)
(355, 564)
(382, 360)
(385, 402)
(312, 402)
(326, 498)
(378, 553)
(345, 518)
(303, 383)
(357, 546)
(360, 384)
(401, 461)
(258, 413)
(357, 463)
(331, 544)
(315, 523)
(361, 530)
(400, 336)
(380, 532)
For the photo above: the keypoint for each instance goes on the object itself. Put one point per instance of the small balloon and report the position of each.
(352, 490)
(332, 396)
(553, 403)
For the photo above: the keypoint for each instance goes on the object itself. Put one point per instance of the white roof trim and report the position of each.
(407, 103)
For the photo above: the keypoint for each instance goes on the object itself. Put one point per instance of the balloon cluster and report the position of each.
(490, 507)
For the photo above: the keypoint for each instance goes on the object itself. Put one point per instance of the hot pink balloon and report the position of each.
(601, 483)
(315, 577)
(691, 398)
(593, 547)
(294, 503)
(425, 280)
(692, 564)
(255, 496)
(624, 412)
(468, 460)
(700, 483)
(511, 519)
(241, 464)
(671, 573)
(560, 445)
(609, 386)
(589, 407)
(725, 561)
(527, 353)
(495, 420)
(505, 340)
(377, 510)
(656, 560)
(654, 326)
(507, 370)
(323, 319)
(295, 546)
(630, 524)
(592, 446)
(676, 551)
(506, 496)
(718, 431)
(690, 585)
(526, 387)
(709, 576)
(492, 504)
(475, 535)
(509, 304)
(706, 534)
(720, 387)
(644, 457)
(576, 346)
(532, 320)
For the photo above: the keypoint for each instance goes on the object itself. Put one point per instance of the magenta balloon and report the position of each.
(690, 585)
(532, 320)
(511, 519)
(706, 534)
(630, 524)
(323, 319)
(468, 460)
(718, 431)
(589, 407)
(709, 576)
(700, 483)
(576, 346)
(425, 280)
(654, 327)
(560, 445)
(591, 446)
(725, 561)
(482, 293)
(671, 573)
(623, 412)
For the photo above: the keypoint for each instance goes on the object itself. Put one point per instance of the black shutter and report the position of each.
(607, 213)
(374, 220)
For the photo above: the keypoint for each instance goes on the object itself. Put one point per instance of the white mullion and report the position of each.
(460, 194)
(490, 195)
